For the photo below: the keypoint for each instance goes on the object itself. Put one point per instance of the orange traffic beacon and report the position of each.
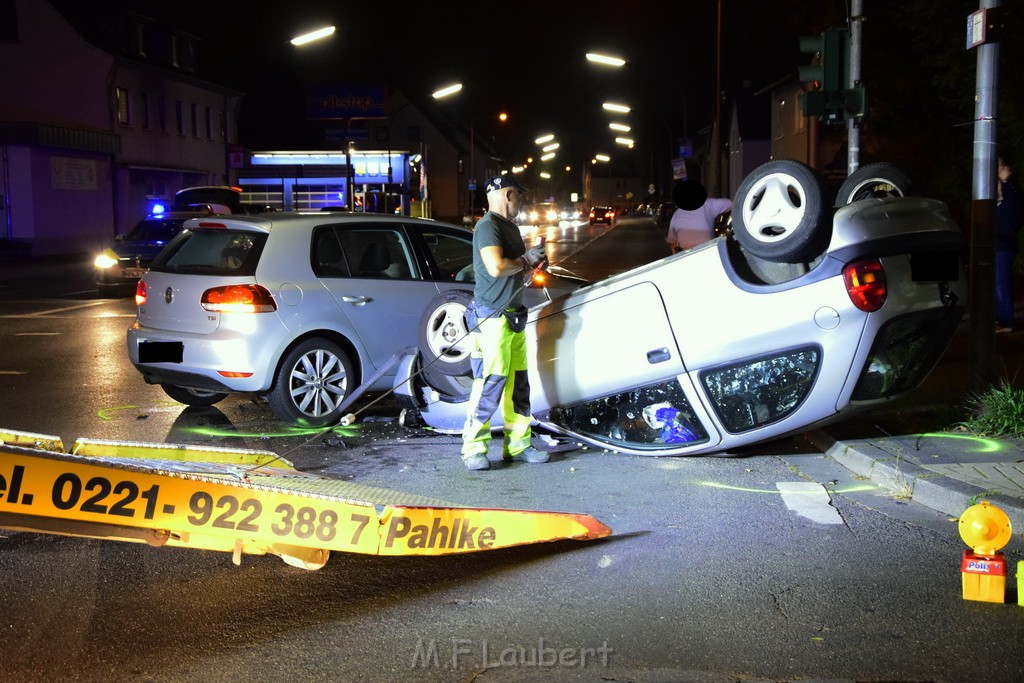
(986, 529)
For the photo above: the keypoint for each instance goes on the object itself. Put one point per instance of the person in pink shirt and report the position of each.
(693, 221)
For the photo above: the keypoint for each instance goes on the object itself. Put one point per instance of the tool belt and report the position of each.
(516, 316)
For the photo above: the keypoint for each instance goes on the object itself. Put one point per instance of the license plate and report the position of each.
(161, 352)
(134, 272)
(928, 266)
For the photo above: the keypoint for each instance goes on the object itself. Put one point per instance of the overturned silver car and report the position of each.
(804, 313)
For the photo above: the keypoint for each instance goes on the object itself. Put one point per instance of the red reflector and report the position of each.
(239, 299)
(140, 293)
(865, 283)
(212, 224)
(225, 373)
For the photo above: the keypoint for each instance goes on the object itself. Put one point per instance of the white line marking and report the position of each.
(809, 500)
(36, 334)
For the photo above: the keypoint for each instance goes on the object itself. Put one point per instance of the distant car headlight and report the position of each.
(552, 216)
(534, 216)
(107, 259)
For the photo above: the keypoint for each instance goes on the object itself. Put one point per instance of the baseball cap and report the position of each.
(504, 182)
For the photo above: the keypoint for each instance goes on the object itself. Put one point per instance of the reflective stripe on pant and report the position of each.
(499, 354)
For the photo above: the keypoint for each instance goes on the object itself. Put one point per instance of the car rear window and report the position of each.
(212, 252)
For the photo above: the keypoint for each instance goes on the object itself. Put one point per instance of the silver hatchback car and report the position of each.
(803, 313)
(303, 308)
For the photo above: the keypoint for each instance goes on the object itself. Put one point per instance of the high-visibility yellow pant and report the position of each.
(498, 362)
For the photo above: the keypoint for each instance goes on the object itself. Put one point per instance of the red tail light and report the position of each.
(239, 299)
(865, 283)
(591, 214)
(140, 293)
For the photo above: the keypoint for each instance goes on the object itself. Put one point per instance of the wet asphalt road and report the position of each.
(710, 575)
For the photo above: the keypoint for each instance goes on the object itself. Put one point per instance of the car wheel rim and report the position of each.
(318, 383)
(447, 334)
(774, 208)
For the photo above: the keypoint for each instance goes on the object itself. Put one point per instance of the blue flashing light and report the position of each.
(158, 208)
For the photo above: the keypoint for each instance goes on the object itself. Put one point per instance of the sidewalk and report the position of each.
(911, 449)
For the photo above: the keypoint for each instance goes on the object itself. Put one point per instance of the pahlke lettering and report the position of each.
(459, 535)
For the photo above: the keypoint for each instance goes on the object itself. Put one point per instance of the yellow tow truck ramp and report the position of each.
(243, 502)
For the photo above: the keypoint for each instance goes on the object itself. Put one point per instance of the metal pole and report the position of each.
(981, 335)
(856, 46)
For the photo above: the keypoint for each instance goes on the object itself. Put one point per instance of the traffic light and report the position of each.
(826, 77)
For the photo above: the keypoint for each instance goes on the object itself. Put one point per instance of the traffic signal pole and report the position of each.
(981, 335)
(853, 80)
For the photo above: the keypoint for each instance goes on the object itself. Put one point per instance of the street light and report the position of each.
(312, 36)
(606, 60)
(615, 107)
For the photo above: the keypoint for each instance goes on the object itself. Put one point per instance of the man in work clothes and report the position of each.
(501, 263)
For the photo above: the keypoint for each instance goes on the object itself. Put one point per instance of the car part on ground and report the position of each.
(780, 347)
(779, 212)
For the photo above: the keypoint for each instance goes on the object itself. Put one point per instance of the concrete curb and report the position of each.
(944, 494)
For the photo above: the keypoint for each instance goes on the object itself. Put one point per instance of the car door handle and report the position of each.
(356, 300)
(658, 356)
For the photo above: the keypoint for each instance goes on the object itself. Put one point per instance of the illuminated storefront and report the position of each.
(370, 181)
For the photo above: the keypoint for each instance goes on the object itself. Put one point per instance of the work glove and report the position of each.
(536, 258)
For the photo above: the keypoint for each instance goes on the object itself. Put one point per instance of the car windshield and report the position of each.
(154, 230)
(212, 252)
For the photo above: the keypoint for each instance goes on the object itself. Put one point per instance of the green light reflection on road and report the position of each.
(282, 433)
(985, 445)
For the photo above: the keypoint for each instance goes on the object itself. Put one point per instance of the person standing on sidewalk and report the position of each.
(1009, 214)
(497, 318)
(693, 221)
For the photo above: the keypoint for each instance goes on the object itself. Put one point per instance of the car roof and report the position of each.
(268, 221)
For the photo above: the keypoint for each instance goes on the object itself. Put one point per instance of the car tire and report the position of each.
(444, 334)
(779, 212)
(193, 397)
(312, 381)
(881, 179)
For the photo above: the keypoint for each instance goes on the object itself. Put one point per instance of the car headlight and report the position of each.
(106, 260)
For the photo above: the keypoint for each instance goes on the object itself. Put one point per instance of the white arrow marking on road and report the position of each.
(809, 500)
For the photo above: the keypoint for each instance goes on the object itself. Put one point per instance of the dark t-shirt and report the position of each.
(501, 292)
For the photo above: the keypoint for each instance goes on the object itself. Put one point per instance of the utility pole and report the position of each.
(853, 81)
(981, 308)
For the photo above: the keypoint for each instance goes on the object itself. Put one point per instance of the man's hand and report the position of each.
(536, 258)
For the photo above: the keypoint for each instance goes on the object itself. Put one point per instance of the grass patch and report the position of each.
(997, 412)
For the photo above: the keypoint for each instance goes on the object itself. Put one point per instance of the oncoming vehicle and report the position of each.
(818, 312)
(121, 265)
(302, 308)
(602, 214)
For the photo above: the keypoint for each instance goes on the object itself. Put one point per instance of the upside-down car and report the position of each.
(806, 312)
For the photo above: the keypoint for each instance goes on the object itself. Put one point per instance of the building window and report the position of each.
(179, 115)
(146, 117)
(8, 20)
(209, 124)
(194, 115)
(140, 40)
(124, 112)
(162, 114)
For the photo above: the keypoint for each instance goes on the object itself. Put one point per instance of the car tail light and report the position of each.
(140, 293)
(213, 224)
(865, 283)
(239, 299)
(591, 214)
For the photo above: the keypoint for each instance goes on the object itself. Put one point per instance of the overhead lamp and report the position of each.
(606, 60)
(544, 138)
(618, 108)
(621, 127)
(312, 35)
(602, 157)
(545, 175)
(550, 148)
(628, 142)
(447, 90)
(549, 155)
